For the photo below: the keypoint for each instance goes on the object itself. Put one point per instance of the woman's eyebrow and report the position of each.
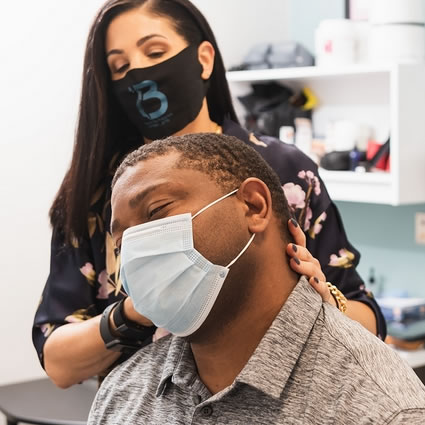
(147, 38)
(139, 43)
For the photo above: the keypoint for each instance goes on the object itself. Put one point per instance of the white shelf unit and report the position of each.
(390, 99)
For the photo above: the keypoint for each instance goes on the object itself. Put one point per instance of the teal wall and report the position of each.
(384, 235)
(305, 16)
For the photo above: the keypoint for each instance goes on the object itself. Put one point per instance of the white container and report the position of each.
(287, 134)
(303, 134)
(362, 30)
(345, 135)
(397, 43)
(335, 43)
(397, 11)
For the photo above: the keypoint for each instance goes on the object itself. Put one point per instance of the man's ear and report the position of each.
(206, 54)
(258, 201)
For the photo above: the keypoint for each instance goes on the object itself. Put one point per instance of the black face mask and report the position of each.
(163, 99)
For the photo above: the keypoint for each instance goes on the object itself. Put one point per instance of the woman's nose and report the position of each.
(138, 61)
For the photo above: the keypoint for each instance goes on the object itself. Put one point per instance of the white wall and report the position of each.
(41, 63)
(239, 24)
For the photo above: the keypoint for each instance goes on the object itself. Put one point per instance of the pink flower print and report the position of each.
(317, 189)
(159, 333)
(311, 179)
(103, 292)
(78, 316)
(72, 319)
(295, 195)
(47, 329)
(88, 271)
(308, 217)
(344, 259)
(317, 226)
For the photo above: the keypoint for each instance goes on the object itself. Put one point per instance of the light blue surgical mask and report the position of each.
(168, 280)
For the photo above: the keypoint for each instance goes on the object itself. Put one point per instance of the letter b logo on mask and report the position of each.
(152, 92)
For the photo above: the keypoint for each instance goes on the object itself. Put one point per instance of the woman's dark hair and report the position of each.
(103, 130)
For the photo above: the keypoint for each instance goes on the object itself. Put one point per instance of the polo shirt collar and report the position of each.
(284, 340)
(176, 367)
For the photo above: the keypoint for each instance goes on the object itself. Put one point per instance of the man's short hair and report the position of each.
(226, 159)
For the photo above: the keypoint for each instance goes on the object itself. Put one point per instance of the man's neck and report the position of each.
(220, 359)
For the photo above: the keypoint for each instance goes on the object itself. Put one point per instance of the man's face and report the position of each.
(155, 189)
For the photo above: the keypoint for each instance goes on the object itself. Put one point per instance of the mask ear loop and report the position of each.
(214, 202)
(240, 254)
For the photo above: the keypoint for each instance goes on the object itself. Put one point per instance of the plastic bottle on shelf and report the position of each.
(303, 135)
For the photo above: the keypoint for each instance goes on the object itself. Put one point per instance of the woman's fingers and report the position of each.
(307, 268)
(303, 262)
(322, 288)
(296, 232)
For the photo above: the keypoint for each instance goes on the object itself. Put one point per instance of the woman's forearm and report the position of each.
(75, 352)
(362, 313)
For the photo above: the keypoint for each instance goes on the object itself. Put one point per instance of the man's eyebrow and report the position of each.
(139, 43)
(136, 200)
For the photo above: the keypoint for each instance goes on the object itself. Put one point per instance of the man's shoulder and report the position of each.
(142, 368)
(376, 367)
(133, 382)
(152, 355)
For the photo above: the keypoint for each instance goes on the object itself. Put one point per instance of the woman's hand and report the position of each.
(302, 262)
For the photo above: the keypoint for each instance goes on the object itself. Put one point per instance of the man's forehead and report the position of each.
(148, 170)
(160, 172)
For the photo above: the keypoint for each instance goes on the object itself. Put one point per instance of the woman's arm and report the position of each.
(75, 352)
(66, 331)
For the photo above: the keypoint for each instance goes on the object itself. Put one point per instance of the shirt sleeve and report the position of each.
(76, 288)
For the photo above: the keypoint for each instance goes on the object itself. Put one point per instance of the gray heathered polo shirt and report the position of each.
(313, 366)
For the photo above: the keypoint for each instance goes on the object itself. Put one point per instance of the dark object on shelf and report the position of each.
(285, 54)
(336, 161)
(271, 106)
(349, 160)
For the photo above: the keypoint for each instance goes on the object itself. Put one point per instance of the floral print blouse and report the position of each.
(81, 283)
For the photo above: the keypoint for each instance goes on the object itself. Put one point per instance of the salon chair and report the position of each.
(40, 402)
